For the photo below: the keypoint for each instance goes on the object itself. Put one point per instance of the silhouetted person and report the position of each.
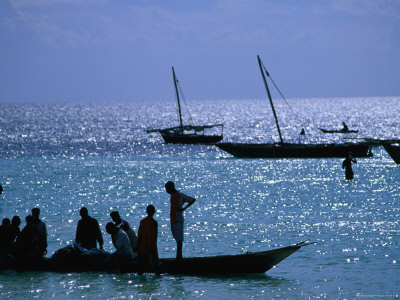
(345, 128)
(120, 239)
(41, 238)
(5, 236)
(27, 246)
(14, 228)
(124, 225)
(88, 231)
(176, 214)
(147, 242)
(347, 166)
(1, 189)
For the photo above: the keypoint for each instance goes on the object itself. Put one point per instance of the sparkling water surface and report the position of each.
(61, 157)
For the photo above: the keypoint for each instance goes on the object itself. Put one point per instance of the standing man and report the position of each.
(176, 214)
(41, 234)
(88, 232)
(147, 242)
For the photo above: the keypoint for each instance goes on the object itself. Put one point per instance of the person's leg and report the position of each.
(179, 245)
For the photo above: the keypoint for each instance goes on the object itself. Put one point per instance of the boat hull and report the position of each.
(338, 131)
(393, 151)
(294, 150)
(72, 261)
(258, 262)
(190, 138)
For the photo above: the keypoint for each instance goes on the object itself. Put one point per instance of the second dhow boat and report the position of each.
(188, 134)
(292, 150)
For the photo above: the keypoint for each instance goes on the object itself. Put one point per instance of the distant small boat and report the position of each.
(65, 260)
(343, 130)
(188, 134)
(291, 150)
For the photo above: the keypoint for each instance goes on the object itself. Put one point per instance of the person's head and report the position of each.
(29, 219)
(16, 221)
(150, 210)
(115, 217)
(170, 187)
(350, 154)
(6, 222)
(111, 228)
(84, 212)
(35, 212)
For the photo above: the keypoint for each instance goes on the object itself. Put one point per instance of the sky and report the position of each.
(123, 50)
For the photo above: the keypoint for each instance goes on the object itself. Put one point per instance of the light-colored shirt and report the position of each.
(177, 201)
(131, 234)
(122, 244)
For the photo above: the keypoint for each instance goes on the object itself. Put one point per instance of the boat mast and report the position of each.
(269, 96)
(177, 97)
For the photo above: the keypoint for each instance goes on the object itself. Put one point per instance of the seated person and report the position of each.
(123, 253)
(124, 225)
(88, 231)
(27, 245)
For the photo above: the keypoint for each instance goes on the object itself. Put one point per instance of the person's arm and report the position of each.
(190, 202)
(99, 236)
(78, 233)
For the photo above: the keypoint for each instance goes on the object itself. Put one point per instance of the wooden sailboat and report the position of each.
(188, 134)
(291, 150)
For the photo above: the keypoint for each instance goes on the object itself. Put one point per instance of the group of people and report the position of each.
(28, 243)
(32, 240)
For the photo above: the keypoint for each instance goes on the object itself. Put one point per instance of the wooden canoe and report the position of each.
(65, 260)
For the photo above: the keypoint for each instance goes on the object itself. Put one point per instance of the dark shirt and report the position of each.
(14, 231)
(40, 235)
(88, 232)
(26, 240)
(147, 239)
(5, 234)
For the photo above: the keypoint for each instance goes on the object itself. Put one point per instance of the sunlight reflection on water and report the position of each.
(77, 155)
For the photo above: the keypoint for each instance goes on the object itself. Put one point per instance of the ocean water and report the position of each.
(61, 157)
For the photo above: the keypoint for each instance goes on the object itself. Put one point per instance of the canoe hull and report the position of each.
(338, 131)
(295, 150)
(257, 262)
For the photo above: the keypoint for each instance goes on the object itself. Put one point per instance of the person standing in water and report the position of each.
(347, 166)
(176, 214)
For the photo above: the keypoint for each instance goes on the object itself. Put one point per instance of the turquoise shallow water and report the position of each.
(63, 156)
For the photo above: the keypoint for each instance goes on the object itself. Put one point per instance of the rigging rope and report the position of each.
(283, 97)
(184, 100)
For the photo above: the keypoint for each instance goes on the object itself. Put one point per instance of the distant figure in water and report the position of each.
(347, 166)
(176, 214)
(147, 242)
(345, 128)
(1, 189)
(88, 232)
(301, 135)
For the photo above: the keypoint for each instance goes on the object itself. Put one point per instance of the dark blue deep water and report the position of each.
(61, 157)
